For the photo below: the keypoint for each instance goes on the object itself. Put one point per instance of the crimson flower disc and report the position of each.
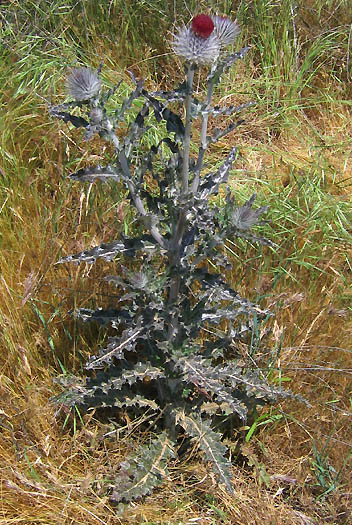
(202, 25)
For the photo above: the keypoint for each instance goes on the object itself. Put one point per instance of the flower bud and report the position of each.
(83, 84)
(198, 44)
(96, 115)
(225, 29)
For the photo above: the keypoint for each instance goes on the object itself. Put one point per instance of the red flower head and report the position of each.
(201, 42)
(203, 25)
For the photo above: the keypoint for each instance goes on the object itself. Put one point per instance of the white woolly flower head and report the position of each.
(225, 29)
(195, 49)
(83, 83)
(199, 43)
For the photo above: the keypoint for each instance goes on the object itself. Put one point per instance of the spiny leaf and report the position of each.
(110, 389)
(98, 172)
(127, 103)
(255, 386)
(173, 121)
(217, 110)
(212, 409)
(209, 442)
(219, 133)
(139, 372)
(140, 474)
(130, 400)
(215, 292)
(101, 316)
(108, 251)
(174, 94)
(225, 64)
(199, 372)
(75, 393)
(214, 316)
(211, 182)
(117, 346)
(103, 397)
(117, 376)
(136, 130)
(124, 397)
(78, 122)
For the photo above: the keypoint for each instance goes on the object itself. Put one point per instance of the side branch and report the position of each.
(187, 139)
(154, 230)
(203, 138)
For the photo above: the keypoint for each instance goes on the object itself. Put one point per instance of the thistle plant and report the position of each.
(178, 325)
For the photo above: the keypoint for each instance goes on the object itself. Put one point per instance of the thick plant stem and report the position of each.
(174, 265)
(176, 241)
(203, 138)
(187, 139)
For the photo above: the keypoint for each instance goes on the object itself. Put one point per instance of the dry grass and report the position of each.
(52, 473)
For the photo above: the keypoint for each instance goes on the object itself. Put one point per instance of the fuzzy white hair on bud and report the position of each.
(83, 84)
(196, 49)
(225, 29)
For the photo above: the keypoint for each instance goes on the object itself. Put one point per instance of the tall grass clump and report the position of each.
(177, 328)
